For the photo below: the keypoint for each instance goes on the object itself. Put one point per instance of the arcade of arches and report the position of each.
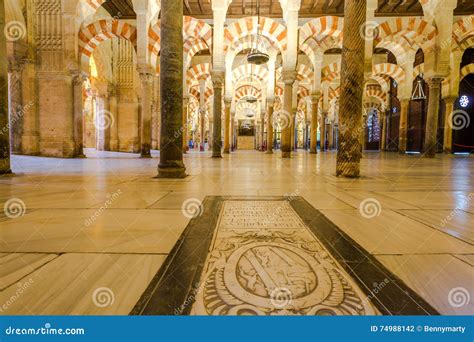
(360, 121)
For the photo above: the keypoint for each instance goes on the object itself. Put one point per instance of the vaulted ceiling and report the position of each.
(123, 9)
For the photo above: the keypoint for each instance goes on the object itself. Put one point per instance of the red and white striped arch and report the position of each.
(375, 90)
(247, 90)
(466, 70)
(321, 34)
(383, 81)
(393, 70)
(269, 28)
(331, 72)
(245, 70)
(334, 93)
(463, 31)
(417, 32)
(198, 72)
(304, 72)
(96, 33)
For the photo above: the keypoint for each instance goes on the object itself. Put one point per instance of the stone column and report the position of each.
(232, 131)
(77, 84)
(330, 136)
(30, 135)
(448, 124)
(113, 106)
(289, 78)
(184, 131)
(4, 133)
(352, 85)
(402, 131)
(227, 133)
(103, 120)
(171, 88)
(15, 70)
(314, 124)
(218, 83)
(202, 116)
(270, 128)
(430, 144)
(146, 78)
(322, 130)
(383, 138)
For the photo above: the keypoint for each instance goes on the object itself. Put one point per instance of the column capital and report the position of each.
(146, 77)
(289, 76)
(227, 101)
(315, 98)
(434, 81)
(218, 77)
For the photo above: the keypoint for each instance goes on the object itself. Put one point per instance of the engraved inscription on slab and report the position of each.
(259, 214)
(273, 270)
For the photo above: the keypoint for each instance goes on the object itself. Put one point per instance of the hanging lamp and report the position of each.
(256, 56)
(418, 92)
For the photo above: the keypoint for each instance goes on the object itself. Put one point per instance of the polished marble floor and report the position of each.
(87, 236)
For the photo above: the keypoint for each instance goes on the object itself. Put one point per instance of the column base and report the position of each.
(286, 154)
(226, 151)
(216, 156)
(145, 156)
(401, 152)
(172, 173)
(269, 152)
(313, 151)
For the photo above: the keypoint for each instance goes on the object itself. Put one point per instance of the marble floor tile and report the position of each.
(90, 284)
(444, 281)
(467, 258)
(393, 233)
(15, 266)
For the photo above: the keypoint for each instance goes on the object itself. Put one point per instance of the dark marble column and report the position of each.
(352, 86)
(15, 70)
(145, 134)
(322, 131)
(185, 123)
(171, 90)
(430, 144)
(218, 83)
(270, 128)
(289, 78)
(4, 132)
(227, 134)
(77, 83)
(313, 149)
(403, 128)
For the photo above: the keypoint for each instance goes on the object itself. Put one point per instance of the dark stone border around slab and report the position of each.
(172, 289)
(394, 296)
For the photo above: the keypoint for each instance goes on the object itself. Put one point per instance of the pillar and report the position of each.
(314, 124)
(322, 130)
(4, 133)
(146, 79)
(430, 144)
(383, 138)
(352, 85)
(448, 124)
(77, 83)
(330, 136)
(227, 134)
(15, 70)
(113, 105)
(289, 78)
(171, 90)
(402, 132)
(184, 129)
(30, 135)
(218, 83)
(232, 132)
(270, 128)
(202, 115)
(103, 119)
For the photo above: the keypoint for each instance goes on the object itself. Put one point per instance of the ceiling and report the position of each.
(271, 8)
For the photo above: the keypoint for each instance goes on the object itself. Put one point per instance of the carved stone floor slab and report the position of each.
(272, 256)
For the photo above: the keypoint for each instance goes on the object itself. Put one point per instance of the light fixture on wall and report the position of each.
(418, 92)
(256, 55)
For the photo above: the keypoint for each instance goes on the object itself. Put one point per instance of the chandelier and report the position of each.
(418, 92)
(256, 56)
